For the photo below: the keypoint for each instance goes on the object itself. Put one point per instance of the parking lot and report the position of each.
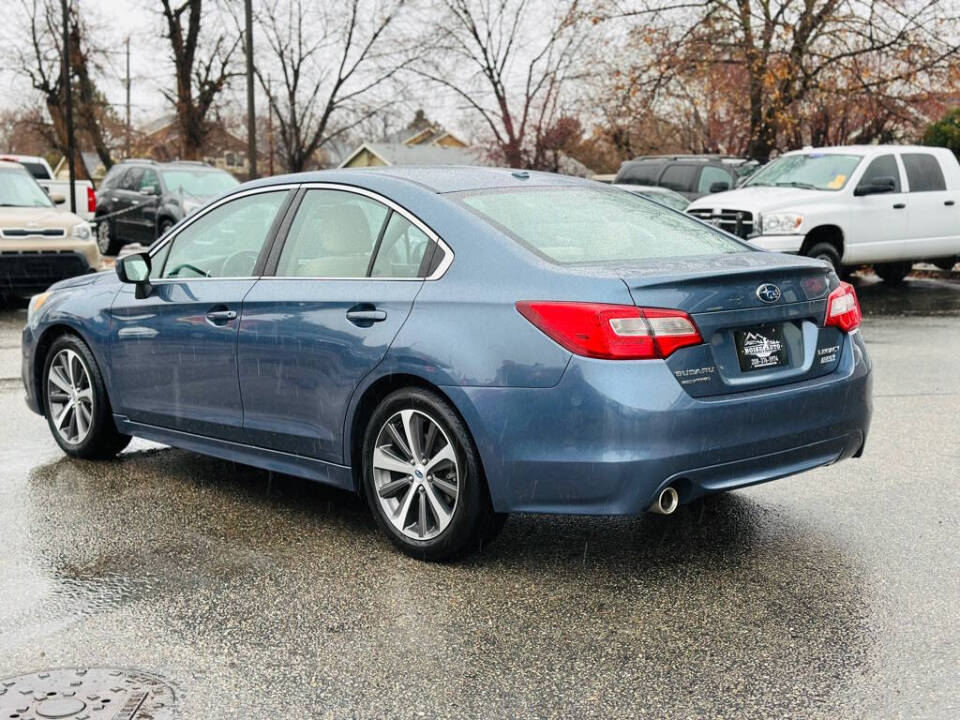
(832, 594)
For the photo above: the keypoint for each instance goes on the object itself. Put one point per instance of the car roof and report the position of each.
(435, 178)
(11, 164)
(863, 149)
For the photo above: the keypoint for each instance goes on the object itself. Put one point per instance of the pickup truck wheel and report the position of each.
(105, 240)
(826, 251)
(893, 273)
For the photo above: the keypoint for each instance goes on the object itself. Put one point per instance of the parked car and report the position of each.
(58, 190)
(662, 195)
(885, 205)
(457, 344)
(39, 244)
(692, 176)
(139, 200)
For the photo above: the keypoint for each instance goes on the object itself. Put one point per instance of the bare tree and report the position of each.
(793, 58)
(509, 62)
(329, 60)
(41, 60)
(200, 78)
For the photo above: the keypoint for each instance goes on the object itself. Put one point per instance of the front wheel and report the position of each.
(106, 239)
(423, 479)
(78, 411)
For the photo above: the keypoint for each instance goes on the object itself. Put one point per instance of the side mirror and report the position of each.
(719, 186)
(149, 190)
(135, 269)
(882, 184)
(56, 198)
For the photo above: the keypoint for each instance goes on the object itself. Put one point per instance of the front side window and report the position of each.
(149, 179)
(332, 236)
(586, 225)
(884, 166)
(226, 242)
(923, 172)
(131, 181)
(710, 176)
(811, 171)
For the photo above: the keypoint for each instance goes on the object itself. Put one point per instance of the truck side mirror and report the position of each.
(879, 185)
(135, 270)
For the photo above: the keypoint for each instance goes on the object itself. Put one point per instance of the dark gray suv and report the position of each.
(693, 176)
(139, 200)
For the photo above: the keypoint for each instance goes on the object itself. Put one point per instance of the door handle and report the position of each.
(949, 203)
(220, 317)
(899, 206)
(365, 318)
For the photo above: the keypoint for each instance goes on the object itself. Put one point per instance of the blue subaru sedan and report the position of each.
(457, 344)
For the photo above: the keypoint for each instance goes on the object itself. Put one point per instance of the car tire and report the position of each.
(945, 263)
(76, 404)
(164, 226)
(826, 251)
(107, 238)
(893, 273)
(441, 508)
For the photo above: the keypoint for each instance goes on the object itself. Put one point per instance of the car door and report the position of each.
(125, 206)
(346, 276)
(932, 216)
(145, 217)
(173, 360)
(878, 228)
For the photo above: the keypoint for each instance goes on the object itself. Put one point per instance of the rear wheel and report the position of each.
(893, 273)
(106, 238)
(164, 226)
(423, 479)
(76, 404)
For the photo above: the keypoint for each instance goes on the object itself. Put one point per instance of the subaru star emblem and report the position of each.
(768, 293)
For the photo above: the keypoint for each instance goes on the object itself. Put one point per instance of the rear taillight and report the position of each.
(613, 332)
(91, 200)
(843, 308)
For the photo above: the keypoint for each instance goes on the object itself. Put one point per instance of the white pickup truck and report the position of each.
(58, 190)
(882, 205)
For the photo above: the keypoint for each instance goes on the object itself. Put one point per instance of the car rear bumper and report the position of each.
(28, 272)
(612, 434)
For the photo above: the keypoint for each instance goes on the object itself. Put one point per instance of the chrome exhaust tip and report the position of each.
(666, 502)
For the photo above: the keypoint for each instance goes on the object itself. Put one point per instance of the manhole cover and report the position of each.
(82, 694)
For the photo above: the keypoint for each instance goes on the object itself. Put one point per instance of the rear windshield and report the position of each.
(585, 225)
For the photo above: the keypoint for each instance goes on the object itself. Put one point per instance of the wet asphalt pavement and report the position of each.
(832, 594)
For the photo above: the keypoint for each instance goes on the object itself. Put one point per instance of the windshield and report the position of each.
(813, 171)
(19, 189)
(200, 183)
(667, 197)
(596, 225)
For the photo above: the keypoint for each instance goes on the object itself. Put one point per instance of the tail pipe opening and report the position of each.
(666, 502)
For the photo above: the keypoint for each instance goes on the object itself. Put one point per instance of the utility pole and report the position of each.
(251, 109)
(127, 138)
(69, 93)
(270, 120)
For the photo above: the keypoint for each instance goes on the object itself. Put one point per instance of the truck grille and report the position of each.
(33, 232)
(737, 222)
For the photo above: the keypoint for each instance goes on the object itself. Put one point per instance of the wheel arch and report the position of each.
(367, 401)
(827, 233)
(46, 339)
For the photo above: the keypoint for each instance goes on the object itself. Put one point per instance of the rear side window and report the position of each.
(923, 172)
(37, 170)
(678, 177)
(332, 236)
(401, 250)
(569, 225)
(881, 167)
(640, 174)
(709, 176)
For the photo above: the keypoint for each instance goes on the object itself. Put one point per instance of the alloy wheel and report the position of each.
(416, 474)
(103, 237)
(70, 393)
